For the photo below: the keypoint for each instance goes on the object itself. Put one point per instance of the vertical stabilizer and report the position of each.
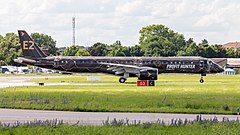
(29, 48)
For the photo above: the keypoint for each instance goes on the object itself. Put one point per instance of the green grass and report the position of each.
(82, 78)
(213, 97)
(190, 129)
(42, 74)
(161, 78)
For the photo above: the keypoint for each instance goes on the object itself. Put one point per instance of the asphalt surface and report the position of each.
(11, 81)
(14, 81)
(95, 118)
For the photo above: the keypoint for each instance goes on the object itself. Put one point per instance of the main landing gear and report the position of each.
(122, 80)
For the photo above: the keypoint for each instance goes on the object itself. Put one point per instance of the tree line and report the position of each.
(154, 41)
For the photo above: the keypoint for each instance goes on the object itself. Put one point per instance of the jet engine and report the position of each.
(150, 74)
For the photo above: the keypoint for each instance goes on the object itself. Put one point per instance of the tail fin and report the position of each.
(29, 48)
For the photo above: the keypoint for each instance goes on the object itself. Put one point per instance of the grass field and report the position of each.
(161, 78)
(153, 129)
(220, 95)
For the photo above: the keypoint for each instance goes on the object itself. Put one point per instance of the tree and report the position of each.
(46, 42)
(230, 53)
(211, 51)
(75, 50)
(192, 49)
(136, 51)
(237, 53)
(189, 41)
(206, 50)
(98, 49)
(204, 41)
(220, 51)
(116, 49)
(10, 49)
(126, 50)
(71, 50)
(82, 52)
(158, 40)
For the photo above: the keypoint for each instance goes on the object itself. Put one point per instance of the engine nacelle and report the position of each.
(148, 74)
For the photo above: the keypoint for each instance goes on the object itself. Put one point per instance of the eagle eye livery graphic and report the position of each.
(145, 68)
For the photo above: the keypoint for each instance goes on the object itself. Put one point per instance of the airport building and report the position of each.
(234, 45)
(229, 71)
(229, 64)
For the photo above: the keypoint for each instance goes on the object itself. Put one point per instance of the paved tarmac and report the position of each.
(11, 81)
(14, 81)
(95, 118)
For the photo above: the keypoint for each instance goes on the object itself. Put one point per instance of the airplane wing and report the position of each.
(122, 68)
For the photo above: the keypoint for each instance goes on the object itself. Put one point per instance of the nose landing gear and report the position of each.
(201, 80)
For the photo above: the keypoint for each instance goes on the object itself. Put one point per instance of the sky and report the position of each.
(106, 21)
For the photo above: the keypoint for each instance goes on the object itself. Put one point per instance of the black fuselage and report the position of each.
(193, 65)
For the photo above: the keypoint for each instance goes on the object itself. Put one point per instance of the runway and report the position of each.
(95, 118)
(14, 81)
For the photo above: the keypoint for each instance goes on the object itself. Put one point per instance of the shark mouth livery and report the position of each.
(145, 68)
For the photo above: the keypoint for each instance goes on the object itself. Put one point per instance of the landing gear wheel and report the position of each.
(122, 80)
(201, 80)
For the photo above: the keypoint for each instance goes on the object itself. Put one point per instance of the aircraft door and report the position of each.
(56, 62)
(201, 64)
(140, 62)
(137, 62)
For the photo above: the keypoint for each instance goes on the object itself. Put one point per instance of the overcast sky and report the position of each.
(106, 21)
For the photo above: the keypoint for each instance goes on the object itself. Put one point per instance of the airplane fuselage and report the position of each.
(194, 65)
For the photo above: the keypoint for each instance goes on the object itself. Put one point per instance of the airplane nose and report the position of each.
(220, 69)
(215, 68)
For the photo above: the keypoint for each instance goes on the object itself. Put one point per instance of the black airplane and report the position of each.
(145, 68)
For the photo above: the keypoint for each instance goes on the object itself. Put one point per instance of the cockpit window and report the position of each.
(210, 62)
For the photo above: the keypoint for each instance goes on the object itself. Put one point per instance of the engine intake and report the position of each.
(148, 74)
